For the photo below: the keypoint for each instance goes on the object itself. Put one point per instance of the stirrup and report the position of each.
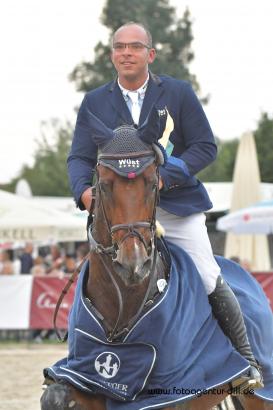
(245, 383)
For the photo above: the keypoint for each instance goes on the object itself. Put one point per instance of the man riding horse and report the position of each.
(191, 147)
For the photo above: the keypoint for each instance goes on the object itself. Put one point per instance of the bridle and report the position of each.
(131, 228)
(154, 155)
(104, 252)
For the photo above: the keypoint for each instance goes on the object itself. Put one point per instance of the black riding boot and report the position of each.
(227, 311)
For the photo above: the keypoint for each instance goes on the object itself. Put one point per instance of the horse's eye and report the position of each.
(154, 187)
(105, 187)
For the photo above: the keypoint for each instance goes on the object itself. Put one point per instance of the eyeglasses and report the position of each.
(135, 46)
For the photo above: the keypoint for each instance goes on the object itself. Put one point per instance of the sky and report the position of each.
(42, 41)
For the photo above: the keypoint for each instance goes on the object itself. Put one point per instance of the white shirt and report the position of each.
(134, 99)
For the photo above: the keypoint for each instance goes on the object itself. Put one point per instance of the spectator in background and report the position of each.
(6, 265)
(235, 259)
(246, 265)
(54, 261)
(39, 267)
(26, 259)
(81, 252)
(1, 260)
(69, 264)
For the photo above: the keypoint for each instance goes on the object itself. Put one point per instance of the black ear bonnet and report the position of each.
(126, 150)
(126, 154)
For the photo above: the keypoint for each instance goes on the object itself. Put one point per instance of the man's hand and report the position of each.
(86, 198)
(160, 184)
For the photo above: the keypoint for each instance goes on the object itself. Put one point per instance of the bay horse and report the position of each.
(127, 279)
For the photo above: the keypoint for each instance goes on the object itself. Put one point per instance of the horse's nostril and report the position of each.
(117, 265)
(116, 256)
(147, 264)
(132, 273)
(145, 268)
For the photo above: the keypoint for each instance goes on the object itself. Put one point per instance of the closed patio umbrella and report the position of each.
(246, 191)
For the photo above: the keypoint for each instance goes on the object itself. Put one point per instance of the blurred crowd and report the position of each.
(52, 260)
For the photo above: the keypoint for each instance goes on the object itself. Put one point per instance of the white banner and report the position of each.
(15, 301)
(29, 303)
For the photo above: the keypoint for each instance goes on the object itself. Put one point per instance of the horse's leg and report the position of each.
(61, 396)
(207, 402)
(251, 402)
(237, 404)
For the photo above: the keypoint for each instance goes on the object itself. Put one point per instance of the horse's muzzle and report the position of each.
(132, 266)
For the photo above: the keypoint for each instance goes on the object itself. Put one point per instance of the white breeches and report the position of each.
(190, 233)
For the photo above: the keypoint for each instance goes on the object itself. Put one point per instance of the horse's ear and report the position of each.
(100, 133)
(150, 130)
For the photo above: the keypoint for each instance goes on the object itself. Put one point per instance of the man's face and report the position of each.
(130, 56)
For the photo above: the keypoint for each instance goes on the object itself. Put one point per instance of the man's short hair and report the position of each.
(133, 23)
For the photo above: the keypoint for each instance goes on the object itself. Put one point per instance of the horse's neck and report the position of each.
(100, 288)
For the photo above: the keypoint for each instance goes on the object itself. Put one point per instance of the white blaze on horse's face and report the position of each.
(126, 203)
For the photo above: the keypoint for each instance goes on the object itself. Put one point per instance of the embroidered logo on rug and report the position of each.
(107, 364)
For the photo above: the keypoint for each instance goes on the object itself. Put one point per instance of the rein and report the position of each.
(71, 280)
(61, 298)
(116, 334)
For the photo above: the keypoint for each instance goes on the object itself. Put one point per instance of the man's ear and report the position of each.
(152, 55)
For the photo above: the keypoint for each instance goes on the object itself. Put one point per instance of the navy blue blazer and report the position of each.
(193, 140)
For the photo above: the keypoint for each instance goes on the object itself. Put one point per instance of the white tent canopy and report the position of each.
(23, 220)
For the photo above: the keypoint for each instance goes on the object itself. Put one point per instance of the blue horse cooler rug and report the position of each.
(175, 351)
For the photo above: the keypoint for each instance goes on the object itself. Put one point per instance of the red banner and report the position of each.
(266, 281)
(45, 294)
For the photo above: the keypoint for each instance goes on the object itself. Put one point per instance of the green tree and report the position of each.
(172, 38)
(221, 170)
(48, 175)
(264, 143)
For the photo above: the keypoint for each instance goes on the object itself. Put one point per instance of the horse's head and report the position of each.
(127, 192)
(126, 198)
